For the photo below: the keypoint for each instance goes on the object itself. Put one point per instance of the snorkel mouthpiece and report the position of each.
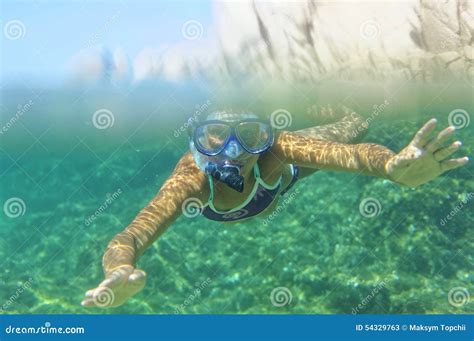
(227, 174)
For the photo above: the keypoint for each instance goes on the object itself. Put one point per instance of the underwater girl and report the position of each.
(239, 167)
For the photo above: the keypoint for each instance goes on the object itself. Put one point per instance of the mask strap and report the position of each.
(256, 171)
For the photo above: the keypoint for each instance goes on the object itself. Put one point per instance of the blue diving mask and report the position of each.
(214, 136)
(221, 148)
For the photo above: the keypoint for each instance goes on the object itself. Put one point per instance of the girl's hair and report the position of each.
(230, 115)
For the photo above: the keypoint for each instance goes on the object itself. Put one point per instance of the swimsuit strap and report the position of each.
(263, 183)
(211, 185)
(295, 171)
(256, 171)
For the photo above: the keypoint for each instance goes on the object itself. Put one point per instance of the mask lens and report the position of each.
(212, 137)
(255, 136)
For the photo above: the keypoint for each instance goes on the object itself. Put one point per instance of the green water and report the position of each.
(328, 256)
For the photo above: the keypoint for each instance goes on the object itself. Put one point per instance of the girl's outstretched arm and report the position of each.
(122, 279)
(126, 247)
(364, 158)
(422, 160)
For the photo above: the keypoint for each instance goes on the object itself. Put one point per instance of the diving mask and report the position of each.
(221, 148)
(214, 136)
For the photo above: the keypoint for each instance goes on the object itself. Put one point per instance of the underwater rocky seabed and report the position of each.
(320, 247)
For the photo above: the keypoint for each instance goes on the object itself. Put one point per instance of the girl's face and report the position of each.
(227, 133)
(249, 164)
(235, 155)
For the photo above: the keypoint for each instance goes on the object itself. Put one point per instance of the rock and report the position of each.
(469, 52)
(457, 67)
(415, 64)
(446, 57)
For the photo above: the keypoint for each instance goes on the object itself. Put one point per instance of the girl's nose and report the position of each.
(233, 150)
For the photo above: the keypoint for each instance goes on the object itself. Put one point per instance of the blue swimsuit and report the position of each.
(261, 197)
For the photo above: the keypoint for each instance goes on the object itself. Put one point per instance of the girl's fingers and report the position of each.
(89, 302)
(116, 278)
(111, 282)
(440, 139)
(443, 153)
(402, 162)
(138, 275)
(423, 135)
(89, 293)
(453, 163)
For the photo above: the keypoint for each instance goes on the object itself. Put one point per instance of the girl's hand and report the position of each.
(117, 287)
(424, 158)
